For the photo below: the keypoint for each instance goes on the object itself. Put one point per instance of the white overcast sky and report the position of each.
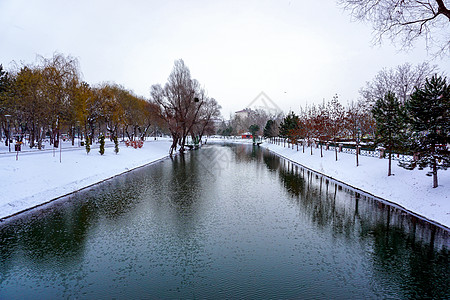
(297, 52)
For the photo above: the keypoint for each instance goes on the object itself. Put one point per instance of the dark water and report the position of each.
(222, 222)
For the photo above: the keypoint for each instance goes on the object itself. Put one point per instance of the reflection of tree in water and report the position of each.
(247, 153)
(406, 250)
(184, 191)
(184, 181)
(419, 266)
(318, 197)
(53, 238)
(114, 199)
(184, 195)
(272, 162)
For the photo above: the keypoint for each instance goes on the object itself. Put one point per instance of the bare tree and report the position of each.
(322, 123)
(402, 80)
(181, 102)
(337, 120)
(406, 20)
(258, 116)
(208, 113)
(167, 113)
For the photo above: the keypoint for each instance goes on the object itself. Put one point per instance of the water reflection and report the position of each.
(227, 222)
(360, 210)
(58, 240)
(403, 246)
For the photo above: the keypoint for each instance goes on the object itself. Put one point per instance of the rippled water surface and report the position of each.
(222, 222)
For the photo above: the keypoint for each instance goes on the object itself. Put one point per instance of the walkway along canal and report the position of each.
(222, 222)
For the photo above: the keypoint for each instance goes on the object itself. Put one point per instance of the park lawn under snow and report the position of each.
(39, 176)
(410, 189)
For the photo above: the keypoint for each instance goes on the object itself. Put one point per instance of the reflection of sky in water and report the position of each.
(226, 222)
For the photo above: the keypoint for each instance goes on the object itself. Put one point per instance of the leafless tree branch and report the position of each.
(406, 20)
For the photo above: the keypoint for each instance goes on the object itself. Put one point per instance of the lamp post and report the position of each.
(9, 133)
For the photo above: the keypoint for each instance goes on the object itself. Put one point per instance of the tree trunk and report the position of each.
(144, 132)
(435, 178)
(73, 136)
(7, 137)
(335, 148)
(183, 142)
(357, 157)
(32, 134)
(174, 145)
(134, 132)
(40, 135)
(57, 139)
(389, 164)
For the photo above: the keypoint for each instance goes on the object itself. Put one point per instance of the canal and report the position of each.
(225, 221)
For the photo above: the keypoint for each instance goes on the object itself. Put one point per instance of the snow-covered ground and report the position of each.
(410, 189)
(39, 176)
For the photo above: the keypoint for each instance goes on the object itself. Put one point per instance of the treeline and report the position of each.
(240, 123)
(326, 122)
(49, 98)
(418, 124)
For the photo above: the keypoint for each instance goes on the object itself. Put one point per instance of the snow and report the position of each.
(39, 176)
(411, 190)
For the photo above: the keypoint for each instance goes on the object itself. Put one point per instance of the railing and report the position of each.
(401, 157)
(367, 152)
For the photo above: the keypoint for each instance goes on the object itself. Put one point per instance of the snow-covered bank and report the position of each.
(409, 189)
(39, 176)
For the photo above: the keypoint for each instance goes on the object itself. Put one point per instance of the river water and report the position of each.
(222, 222)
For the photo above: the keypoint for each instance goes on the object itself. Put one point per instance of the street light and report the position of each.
(9, 142)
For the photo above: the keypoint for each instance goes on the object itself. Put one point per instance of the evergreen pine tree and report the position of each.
(102, 144)
(5, 90)
(88, 146)
(254, 130)
(429, 118)
(3, 80)
(227, 131)
(269, 129)
(389, 116)
(289, 123)
(116, 145)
